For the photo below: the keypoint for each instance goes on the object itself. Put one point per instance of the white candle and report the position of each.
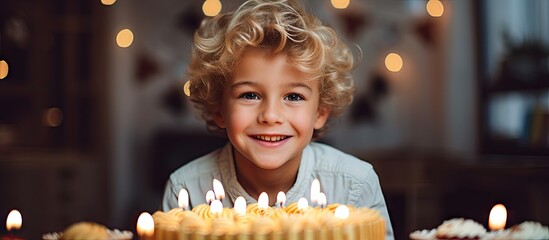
(342, 212)
(14, 221)
(322, 200)
(145, 226)
(281, 199)
(263, 201)
(240, 206)
(218, 189)
(210, 196)
(315, 190)
(302, 204)
(216, 207)
(497, 218)
(183, 199)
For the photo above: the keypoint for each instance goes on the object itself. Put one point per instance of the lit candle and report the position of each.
(183, 199)
(216, 207)
(497, 218)
(218, 189)
(210, 196)
(342, 212)
(280, 199)
(263, 201)
(302, 204)
(240, 206)
(321, 200)
(14, 221)
(145, 226)
(315, 190)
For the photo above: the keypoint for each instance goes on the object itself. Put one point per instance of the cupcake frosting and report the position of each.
(529, 230)
(460, 228)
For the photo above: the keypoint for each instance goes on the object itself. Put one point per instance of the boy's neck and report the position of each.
(256, 180)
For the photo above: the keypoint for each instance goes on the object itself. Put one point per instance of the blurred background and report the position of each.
(452, 106)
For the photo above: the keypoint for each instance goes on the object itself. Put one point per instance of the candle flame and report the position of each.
(315, 190)
(497, 218)
(263, 201)
(342, 212)
(281, 198)
(218, 189)
(183, 199)
(240, 206)
(302, 204)
(216, 207)
(14, 220)
(210, 196)
(145, 225)
(322, 199)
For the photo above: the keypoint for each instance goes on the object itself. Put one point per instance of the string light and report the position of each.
(435, 8)
(340, 4)
(187, 88)
(108, 2)
(393, 62)
(211, 8)
(124, 38)
(4, 69)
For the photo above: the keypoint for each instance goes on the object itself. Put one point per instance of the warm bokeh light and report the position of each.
(342, 212)
(187, 88)
(497, 218)
(14, 220)
(393, 62)
(340, 4)
(124, 38)
(108, 2)
(145, 225)
(53, 117)
(263, 201)
(435, 8)
(183, 199)
(240, 206)
(211, 8)
(4, 69)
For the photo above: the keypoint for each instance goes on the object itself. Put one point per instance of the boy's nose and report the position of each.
(270, 114)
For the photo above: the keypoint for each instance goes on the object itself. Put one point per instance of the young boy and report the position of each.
(269, 76)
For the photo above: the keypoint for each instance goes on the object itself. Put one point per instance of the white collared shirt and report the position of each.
(343, 178)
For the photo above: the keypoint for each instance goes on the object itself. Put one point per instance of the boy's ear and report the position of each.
(219, 120)
(322, 115)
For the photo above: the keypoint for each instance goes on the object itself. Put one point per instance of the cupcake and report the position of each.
(423, 234)
(529, 230)
(460, 229)
(88, 231)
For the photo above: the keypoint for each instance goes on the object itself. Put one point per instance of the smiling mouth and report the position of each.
(271, 138)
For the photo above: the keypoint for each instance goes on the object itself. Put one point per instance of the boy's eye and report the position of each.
(294, 97)
(249, 95)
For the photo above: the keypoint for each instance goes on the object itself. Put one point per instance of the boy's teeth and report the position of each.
(271, 138)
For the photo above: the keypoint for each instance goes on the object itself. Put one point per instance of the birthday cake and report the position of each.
(88, 231)
(334, 221)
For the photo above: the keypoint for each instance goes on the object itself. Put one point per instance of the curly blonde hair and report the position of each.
(276, 26)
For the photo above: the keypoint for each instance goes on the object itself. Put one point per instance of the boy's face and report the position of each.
(269, 110)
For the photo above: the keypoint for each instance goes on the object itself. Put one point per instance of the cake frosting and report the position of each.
(269, 223)
(88, 231)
